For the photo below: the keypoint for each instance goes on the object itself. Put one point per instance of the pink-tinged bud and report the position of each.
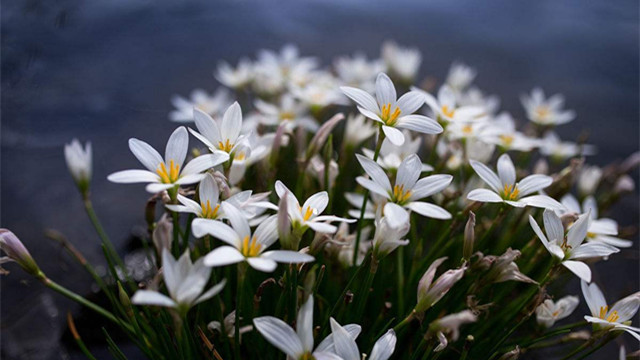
(469, 237)
(505, 269)
(163, 234)
(278, 141)
(15, 250)
(430, 292)
(322, 134)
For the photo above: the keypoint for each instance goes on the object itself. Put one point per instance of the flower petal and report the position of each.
(593, 249)
(553, 226)
(204, 162)
(541, 201)
(375, 172)
(217, 229)
(430, 185)
(394, 135)
(146, 154)
(280, 335)
(261, 264)
(224, 255)
(304, 324)
(344, 344)
(487, 175)
(506, 170)
(533, 183)
(484, 195)
(231, 123)
(429, 210)
(287, 256)
(409, 172)
(177, 146)
(362, 98)
(148, 297)
(384, 347)
(419, 123)
(207, 126)
(410, 102)
(385, 90)
(578, 231)
(579, 268)
(133, 176)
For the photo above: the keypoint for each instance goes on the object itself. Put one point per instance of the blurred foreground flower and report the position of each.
(15, 251)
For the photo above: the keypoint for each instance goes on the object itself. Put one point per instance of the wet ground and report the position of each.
(104, 71)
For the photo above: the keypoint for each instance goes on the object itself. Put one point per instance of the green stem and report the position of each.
(240, 280)
(364, 291)
(88, 205)
(366, 198)
(400, 278)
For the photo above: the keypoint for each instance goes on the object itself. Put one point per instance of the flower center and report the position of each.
(555, 313)
(307, 356)
(400, 196)
(510, 192)
(543, 112)
(170, 176)
(250, 247)
(591, 235)
(240, 156)
(287, 115)
(226, 146)
(507, 139)
(387, 116)
(307, 213)
(208, 212)
(467, 129)
(447, 112)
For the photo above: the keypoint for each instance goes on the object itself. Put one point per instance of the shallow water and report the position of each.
(104, 71)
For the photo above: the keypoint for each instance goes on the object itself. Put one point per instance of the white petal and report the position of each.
(260, 264)
(177, 146)
(429, 210)
(215, 290)
(322, 227)
(541, 201)
(204, 162)
(304, 324)
(533, 183)
(553, 226)
(394, 135)
(593, 296)
(384, 347)
(487, 175)
(410, 102)
(280, 335)
(375, 172)
(281, 189)
(484, 195)
(207, 126)
(409, 172)
(385, 91)
(146, 154)
(579, 268)
(224, 255)
(133, 176)
(373, 187)
(217, 229)
(190, 179)
(626, 307)
(590, 203)
(578, 231)
(148, 297)
(155, 188)
(327, 343)
(430, 185)
(362, 98)
(506, 170)
(231, 123)
(539, 233)
(317, 201)
(419, 123)
(208, 190)
(569, 201)
(345, 345)
(593, 249)
(287, 256)
(396, 215)
(238, 221)
(322, 355)
(267, 232)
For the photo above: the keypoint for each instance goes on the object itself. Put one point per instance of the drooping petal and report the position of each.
(429, 210)
(287, 256)
(146, 154)
(579, 268)
(484, 195)
(224, 255)
(384, 347)
(177, 146)
(487, 175)
(261, 264)
(506, 170)
(217, 229)
(280, 335)
(133, 176)
(394, 135)
(148, 297)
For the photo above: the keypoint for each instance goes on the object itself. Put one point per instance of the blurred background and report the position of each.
(104, 71)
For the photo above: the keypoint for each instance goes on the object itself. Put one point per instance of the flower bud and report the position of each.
(125, 300)
(588, 180)
(79, 164)
(321, 135)
(15, 250)
(430, 293)
(469, 236)
(163, 234)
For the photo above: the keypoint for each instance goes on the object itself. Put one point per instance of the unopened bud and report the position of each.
(79, 164)
(469, 237)
(322, 134)
(125, 300)
(15, 250)
(163, 234)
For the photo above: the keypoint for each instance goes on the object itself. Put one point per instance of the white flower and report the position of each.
(407, 188)
(298, 344)
(446, 109)
(502, 132)
(460, 76)
(308, 215)
(165, 174)
(358, 72)
(393, 113)
(570, 249)
(546, 111)
(504, 187)
(449, 325)
(320, 92)
(588, 179)
(616, 318)
(260, 146)
(242, 245)
(225, 137)
(549, 311)
(199, 99)
(600, 230)
(185, 282)
(475, 97)
(391, 156)
(347, 349)
(429, 291)
(552, 146)
(289, 111)
(79, 162)
(390, 229)
(236, 78)
(402, 62)
(357, 129)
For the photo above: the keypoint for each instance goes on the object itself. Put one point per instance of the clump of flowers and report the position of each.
(314, 205)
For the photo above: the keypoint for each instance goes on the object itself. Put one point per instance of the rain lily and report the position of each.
(407, 188)
(358, 72)
(429, 291)
(298, 344)
(393, 113)
(502, 132)
(449, 326)
(446, 109)
(475, 97)
(504, 187)
(236, 78)
(402, 62)
(552, 146)
(570, 249)
(460, 76)
(357, 130)
(288, 111)
(225, 137)
(347, 349)
(545, 111)
(185, 282)
(15, 251)
(242, 244)
(391, 156)
(390, 229)
(616, 318)
(79, 163)
(549, 311)
(168, 173)
(603, 230)
(308, 215)
(199, 99)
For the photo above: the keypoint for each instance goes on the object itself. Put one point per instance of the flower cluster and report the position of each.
(297, 198)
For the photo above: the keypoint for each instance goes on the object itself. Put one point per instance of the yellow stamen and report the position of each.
(400, 196)
(507, 139)
(448, 112)
(250, 248)
(603, 311)
(240, 156)
(467, 129)
(226, 146)
(510, 192)
(307, 213)
(287, 115)
(591, 235)
(387, 116)
(613, 317)
(209, 213)
(555, 313)
(171, 176)
(542, 111)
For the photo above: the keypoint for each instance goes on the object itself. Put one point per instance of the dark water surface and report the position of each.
(104, 71)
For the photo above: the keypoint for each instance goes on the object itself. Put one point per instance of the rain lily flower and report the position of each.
(449, 326)
(460, 76)
(390, 229)
(475, 97)
(603, 230)
(429, 291)
(236, 78)
(552, 146)
(347, 349)
(393, 113)
(199, 99)
(407, 188)
(589, 179)
(616, 318)
(549, 311)
(570, 249)
(242, 244)
(289, 111)
(502, 132)
(15, 251)
(224, 138)
(298, 344)
(402, 62)
(79, 163)
(391, 156)
(185, 283)
(545, 111)
(168, 173)
(357, 130)
(308, 215)
(446, 109)
(504, 187)
(260, 146)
